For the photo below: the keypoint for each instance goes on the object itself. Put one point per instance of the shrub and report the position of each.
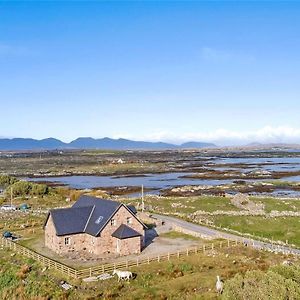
(259, 285)
(23, 271)
(186, 267)
(25, 188)
(6, 180)
(39, 189)
(288, 272)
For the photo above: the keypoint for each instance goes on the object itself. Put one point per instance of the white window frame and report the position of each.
(67, 241)
(113, 222)
(129, 220)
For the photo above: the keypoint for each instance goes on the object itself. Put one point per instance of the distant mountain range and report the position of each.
(15, 144)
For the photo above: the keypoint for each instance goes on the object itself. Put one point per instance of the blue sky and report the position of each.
(220, 71)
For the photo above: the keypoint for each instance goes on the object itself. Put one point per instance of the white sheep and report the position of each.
(219, 285)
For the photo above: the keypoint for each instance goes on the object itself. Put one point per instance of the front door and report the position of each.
(118, 246)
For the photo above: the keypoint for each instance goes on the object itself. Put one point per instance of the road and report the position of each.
(213, 233)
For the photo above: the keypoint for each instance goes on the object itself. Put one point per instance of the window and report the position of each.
(98, 221)
(113, 222)
(129, 220)
(67, 241)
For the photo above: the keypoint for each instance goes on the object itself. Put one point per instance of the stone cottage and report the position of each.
(95, 226)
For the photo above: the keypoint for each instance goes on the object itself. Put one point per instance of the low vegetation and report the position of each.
(178, 235)
(220, 212)
(190, 277)
(21, 188)
(276, 229)
(279, 282)
(244, 270)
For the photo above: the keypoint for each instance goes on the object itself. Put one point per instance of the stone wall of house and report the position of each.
(51, 240)
(108, 244)
(77, 242)
(129, 246)
(103, 244)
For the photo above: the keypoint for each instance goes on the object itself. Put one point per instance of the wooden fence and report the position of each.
(48, 262)
(97, 270)
(94, 271)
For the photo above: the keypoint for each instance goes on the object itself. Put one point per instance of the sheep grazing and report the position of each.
(219, 285)
(123, 274)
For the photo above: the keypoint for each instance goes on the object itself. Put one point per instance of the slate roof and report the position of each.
(87, 215)
(70, 220)
(125, 232)
(132, 208)
(103, 211)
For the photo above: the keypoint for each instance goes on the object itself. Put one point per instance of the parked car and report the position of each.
(7, 234)
(24, 207)
(7, 207)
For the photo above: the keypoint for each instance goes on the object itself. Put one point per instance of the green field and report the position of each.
(278, 229)
(191, 277)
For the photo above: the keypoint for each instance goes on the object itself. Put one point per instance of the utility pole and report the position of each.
(143, 204)
(11, 196)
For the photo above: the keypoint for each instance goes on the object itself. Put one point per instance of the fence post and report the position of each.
(220, 245)
(158, 258)
(90, 272)
(228, 244)
(212, 246)
(187, 252)
(178, 254)
(137, 261)
(203, 249)
(168, 256)
(148, 260)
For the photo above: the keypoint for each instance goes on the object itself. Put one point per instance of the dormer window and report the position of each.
(113, 222)
(129, 220)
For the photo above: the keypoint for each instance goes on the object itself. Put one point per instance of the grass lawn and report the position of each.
(278, 204)
(186, 205)
(277, 228)
(177, 235)
(190, 277)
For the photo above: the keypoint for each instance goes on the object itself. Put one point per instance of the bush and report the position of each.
(288, 272)
(6, 180)
(186, 267)
(259, 285)
(39, 189)
(23, 271)
(20, 188)
(25, 188)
